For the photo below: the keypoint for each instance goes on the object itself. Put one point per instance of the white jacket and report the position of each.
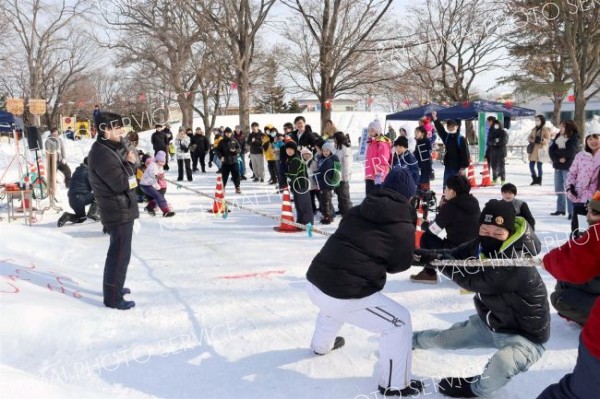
(345, 156)
(180, 154)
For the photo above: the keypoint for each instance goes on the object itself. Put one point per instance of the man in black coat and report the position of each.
(347, 275)
(456, 157)
(112, 176)
(303, 135)
(458, 216)
(200, 146)
(159, 143)
(80, 195)
(511, 302)
(497, 140)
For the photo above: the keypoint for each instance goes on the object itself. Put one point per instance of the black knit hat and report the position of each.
(401, 141)
(459, 184)
(499, 213)
(400, 180)
(291, 144)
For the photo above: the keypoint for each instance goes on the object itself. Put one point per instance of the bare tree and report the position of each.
(237, 23)
(45, 41)
(335, 46)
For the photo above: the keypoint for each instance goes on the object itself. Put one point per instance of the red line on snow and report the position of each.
(251, 275)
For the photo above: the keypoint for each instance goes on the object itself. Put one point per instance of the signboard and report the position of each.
(363, 143)
(15, 106)
(67, 122)
(82, 129)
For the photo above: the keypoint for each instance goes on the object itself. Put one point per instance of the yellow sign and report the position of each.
(37, 107)
(15, 106)
(83, 129)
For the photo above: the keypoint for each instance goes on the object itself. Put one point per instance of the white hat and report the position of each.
(593, 128)
(376, 125)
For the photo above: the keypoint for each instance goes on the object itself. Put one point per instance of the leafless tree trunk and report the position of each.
(237, 23)
(334, 49)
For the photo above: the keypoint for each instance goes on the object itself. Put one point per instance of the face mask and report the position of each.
(496, 126)
(490, 246)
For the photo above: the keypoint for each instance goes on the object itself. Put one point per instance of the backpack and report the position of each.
(336, 175)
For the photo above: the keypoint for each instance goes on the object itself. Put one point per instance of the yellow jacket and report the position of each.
(269, 152)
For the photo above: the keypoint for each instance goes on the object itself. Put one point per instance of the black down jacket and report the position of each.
(374, 238)
(509, 300)
(460, 217)
(80, 182)
(109, 177)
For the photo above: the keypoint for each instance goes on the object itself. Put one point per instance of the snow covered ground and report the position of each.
(221, 307)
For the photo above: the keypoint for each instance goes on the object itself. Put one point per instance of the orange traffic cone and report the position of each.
(219, 205)
(471, 175)
(418, 231)
(286, 214)
(487, 180)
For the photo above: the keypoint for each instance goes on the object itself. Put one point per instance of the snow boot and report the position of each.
(167, 213)
(123, 305)
(533, 181)
(125, 291)
(457, 387)
(65, 217)
(237, 190)
(149, 211)
(338, 343)
(93, 212)
(425, 276)
(413, 389)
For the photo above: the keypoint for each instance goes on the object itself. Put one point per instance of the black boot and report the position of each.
(533, 180)
(93, 212)
(457, 387)
(413, 389)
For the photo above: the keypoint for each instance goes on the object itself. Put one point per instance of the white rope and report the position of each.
(521, 262)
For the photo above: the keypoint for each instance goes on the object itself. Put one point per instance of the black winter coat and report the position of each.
(456, 149)
(374, 238)
(201, 143)
(80, 182)
(241, 138)
(460, 217)
(158, 142)
(571, 149)
(109, 177)
(509, 300)
(229, 149)
(256, 146)
(308, 139)
(496, 142)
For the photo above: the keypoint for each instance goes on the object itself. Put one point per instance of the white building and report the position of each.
(339, 105)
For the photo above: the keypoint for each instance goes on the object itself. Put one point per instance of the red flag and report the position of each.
(406, 101)
(142, 97)
(571, 98)
(234, 86)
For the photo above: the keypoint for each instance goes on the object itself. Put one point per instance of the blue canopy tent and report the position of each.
(7, 121)
(414, 114)
(471, 110)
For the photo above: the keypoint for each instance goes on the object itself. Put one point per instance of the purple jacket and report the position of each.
(583, 174)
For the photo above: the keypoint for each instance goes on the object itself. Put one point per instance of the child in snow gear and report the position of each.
(378, 158)
(328, 177)
(459, 216)
(228, 151)
(509, 192)
(512, 303)
(312, 166)
(423, 156)
(113, 182)
(80, 195)
(347, 275)
(269, 149)
(403, 158)
(344, 153)
(299, 184)
(151, 187)
(577, 262)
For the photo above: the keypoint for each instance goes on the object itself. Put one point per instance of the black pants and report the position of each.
(497, 163)
(272, 165)
(78, 203)
(304, 210)
(66, 171)
(578, 209)
(314, 194)
(281, 170)
(198, 157)
(343, 196)
(235, 174)
(325, 200)
(431, 241)
(188, 169)
(117, 261)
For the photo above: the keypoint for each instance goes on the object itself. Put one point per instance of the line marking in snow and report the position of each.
(252, 275)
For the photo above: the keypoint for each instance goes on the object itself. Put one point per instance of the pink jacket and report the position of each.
(583, 174)
(378, 160)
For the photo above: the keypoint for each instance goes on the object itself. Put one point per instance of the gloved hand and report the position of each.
(538, 139)
(425, 225)
(572, 190)
(424, 257)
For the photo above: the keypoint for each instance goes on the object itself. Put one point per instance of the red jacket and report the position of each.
(578, 261)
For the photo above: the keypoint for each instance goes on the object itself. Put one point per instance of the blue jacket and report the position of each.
(325, 171)
(407, 160)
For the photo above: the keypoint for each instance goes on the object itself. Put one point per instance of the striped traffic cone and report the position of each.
(487, 180)
(286, 214)
(471, 175)
(219, 204)
(418, 231)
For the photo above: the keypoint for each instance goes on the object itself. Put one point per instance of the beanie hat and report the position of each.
(376, 125)
(291, 144)
(161, 156)
(594, 128)
(459, 184)
(401, 141)
(305, 151)
(594, 203)
(499, 213)
(400, 180)
(328, 146)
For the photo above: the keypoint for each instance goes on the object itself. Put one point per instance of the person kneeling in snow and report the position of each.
(577, 261)
(511, 302)
(151, 187)
(80, 195)
(347, 275)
